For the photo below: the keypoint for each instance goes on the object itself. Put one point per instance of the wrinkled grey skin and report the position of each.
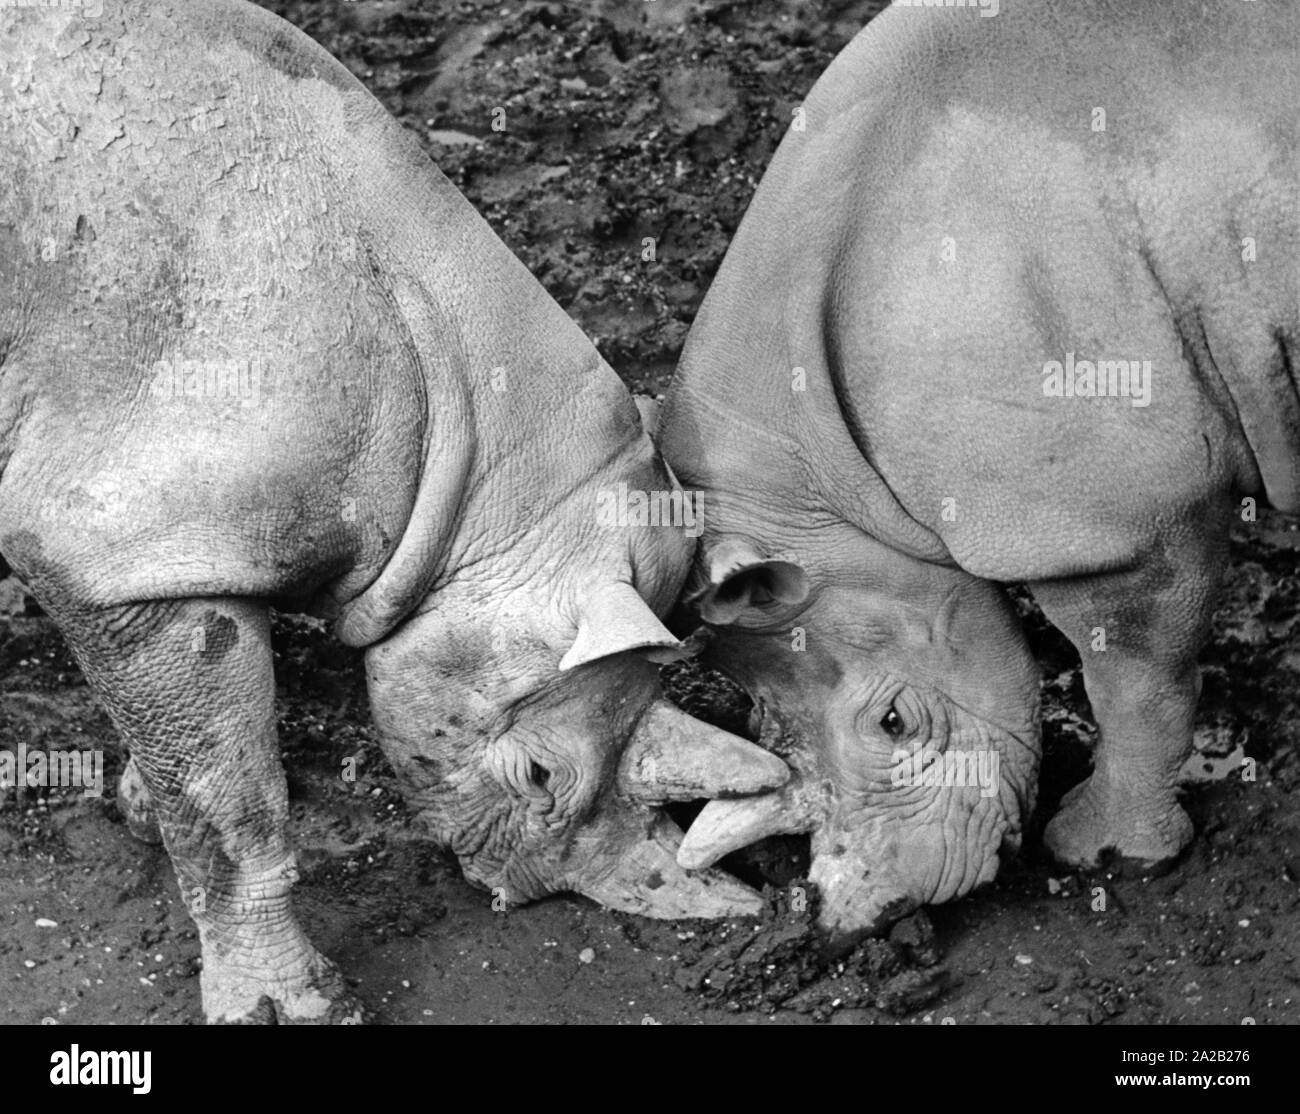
(950, 220)
(416, 448)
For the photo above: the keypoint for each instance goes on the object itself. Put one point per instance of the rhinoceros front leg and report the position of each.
(1138, 634)
(190, 687)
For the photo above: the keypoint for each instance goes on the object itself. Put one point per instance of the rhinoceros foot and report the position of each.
(311, 991)
(135, 806)
(235, 990)
(1094, 820)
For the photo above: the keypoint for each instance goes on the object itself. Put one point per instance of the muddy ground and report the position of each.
(628, 120)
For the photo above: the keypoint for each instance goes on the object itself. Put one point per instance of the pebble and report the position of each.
(45, 922)
(587, 955)
(1025, 960)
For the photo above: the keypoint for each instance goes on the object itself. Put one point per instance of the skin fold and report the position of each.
(866, 405)
(255, 350)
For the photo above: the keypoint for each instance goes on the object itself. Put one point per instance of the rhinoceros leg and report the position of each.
(189, 685)
(1138, 634)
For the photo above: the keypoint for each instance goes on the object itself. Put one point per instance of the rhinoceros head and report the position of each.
(903, 695)
(523, 713)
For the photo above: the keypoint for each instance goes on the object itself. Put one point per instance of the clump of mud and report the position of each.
(782, 962)
(708, 695)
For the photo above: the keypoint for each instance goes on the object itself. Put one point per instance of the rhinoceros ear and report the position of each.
(738, 576)
(614, 619)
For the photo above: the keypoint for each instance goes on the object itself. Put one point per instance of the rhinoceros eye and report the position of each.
(892, 723)
(538, 774)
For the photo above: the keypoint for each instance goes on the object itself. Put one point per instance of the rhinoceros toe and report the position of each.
(316, 994)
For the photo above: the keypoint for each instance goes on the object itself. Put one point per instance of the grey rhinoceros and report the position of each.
(1016, 301)
(255, 350)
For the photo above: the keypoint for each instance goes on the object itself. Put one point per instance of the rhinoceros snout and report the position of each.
(859, 896)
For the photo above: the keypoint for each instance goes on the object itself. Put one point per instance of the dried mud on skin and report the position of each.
(604, 99)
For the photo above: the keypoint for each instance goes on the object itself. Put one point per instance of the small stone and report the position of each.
(587, 955)
(1053, 886)
(45, 922)
(1024, 960)
(687, 979)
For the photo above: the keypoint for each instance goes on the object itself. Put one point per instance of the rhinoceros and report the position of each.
(1015, 302)
(256, 350)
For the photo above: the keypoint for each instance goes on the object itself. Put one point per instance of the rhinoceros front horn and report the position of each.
(633, 858)
(675, 757)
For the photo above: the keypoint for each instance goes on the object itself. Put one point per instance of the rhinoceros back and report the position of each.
(970, 201)
(205, 376)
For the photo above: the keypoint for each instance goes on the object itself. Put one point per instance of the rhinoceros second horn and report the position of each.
(726, 826)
